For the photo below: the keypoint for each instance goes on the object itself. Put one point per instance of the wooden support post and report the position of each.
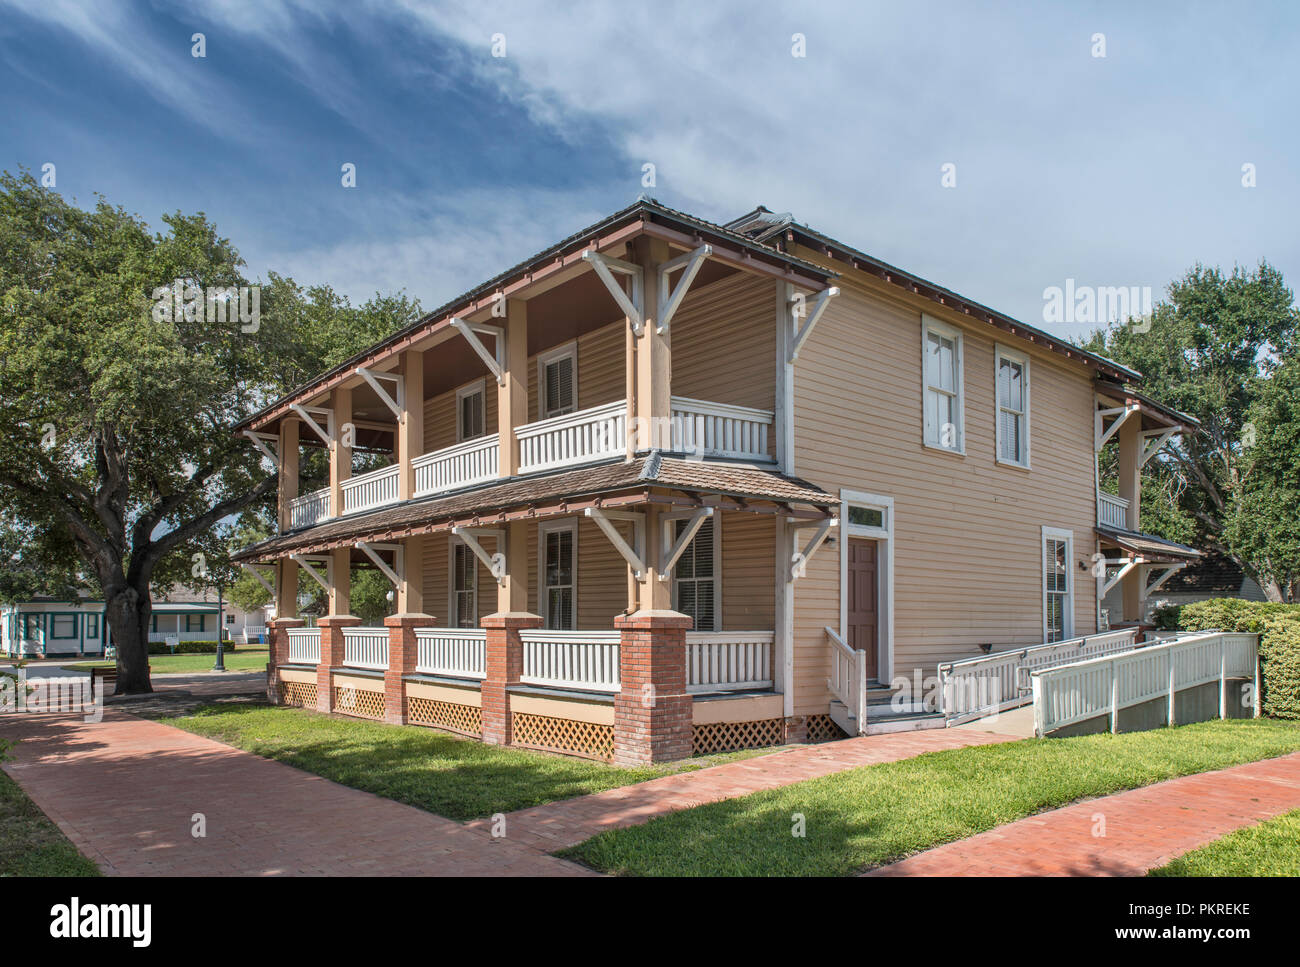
(410, 430)
(409, 593)
(512, 590)
(512, 392)
(340, 454)
(288, 470)
(340, 592)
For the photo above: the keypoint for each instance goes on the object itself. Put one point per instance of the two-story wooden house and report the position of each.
(672, 486)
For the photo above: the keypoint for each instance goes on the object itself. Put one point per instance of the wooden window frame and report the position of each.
(1011, 355)
(453, 612)
(55, 615)
(570, 350)
(1067, 536)
(543, 598)
(930, 324)
(670, 538)
(479, 388)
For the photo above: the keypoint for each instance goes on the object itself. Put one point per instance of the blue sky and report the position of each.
(1120, 170)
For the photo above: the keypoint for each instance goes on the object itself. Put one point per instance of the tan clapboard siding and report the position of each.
(440, 416)
(748, 572)
(437, 580)
(967, 530)
(724, 343)
(602, 576)
(601, 369)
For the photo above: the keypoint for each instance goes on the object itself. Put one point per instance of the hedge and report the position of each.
(1278, 626)
(188, 648)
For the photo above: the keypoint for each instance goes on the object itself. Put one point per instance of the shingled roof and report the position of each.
(1148, 545)
(568, 491)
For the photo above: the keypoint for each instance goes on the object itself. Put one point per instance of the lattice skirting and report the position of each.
(563, 735)
(361, 703)
(729, 736)
(822, 728)
(445, 715)
(298, 694)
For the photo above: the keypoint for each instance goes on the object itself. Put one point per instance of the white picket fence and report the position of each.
(370, 490)
(586, 660)
(582, 437)
(309, 508)
(974, 687)
(365, 648)
(453, 652)
(472, 462)
(719, 429)
(304, 646)
(728, 661)
(1104, 686)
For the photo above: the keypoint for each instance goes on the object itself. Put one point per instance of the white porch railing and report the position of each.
(974, 687)
(848, 683)
(575, 438)
(373, 489)
(365, 647)
(474, 461)
(1103, 686)
(720, 429)
(309, 508)
(252, 632)
(586, 660)
(728, 661)
(454, 652)
(1112, 511)
(304, 646)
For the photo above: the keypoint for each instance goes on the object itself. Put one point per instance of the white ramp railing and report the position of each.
(1104, 686)
(365, 648)
(980, 686)
(586, 660)
(848, 679)
(454, 652)
(728, 661)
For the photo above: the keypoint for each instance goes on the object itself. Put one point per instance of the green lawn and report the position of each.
(1270, 849)
(872, 815)
(445, 774)
(31, 845)
(235, 661)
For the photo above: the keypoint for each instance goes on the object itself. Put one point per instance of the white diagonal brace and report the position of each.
(1153, 448)
(495, 563)
(605, 267)
(307, 418)
(683, 541)
(315, 575)
(799, 560)
(373, 379)
(492, 360)
(258, 442)
(1129, 564)
(1123, 414)
(605, 521)
(1169, 572)
(370, 552)
(252, 569)
(819, 306)
(690, 264)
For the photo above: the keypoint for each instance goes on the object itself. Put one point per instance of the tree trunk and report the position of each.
(1272, 590)
(128, 618)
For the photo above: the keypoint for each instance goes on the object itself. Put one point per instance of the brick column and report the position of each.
(652, 713)
(278, 653)
(401, 661)
(331, 656)
(505, 664)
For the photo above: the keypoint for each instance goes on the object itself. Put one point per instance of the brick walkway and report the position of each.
(557, 825)
(124, 791)
(1145, 828)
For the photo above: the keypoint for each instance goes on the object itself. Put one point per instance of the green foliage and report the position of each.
(369, 600)
(1222, 347)
(1278, 626)
(1266, 849)
(190, 648)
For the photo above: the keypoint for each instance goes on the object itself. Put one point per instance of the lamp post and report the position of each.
(220, 666)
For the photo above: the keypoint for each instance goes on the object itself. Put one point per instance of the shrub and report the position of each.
(1278, 626)
(189, 648)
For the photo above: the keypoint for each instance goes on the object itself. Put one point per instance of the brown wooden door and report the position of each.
(863, 606)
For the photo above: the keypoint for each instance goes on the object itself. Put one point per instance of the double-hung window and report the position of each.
(557, 381)
(559, 575)
(63, 626)
(1013, 407)
(469, 412)
(695, 576)
(464, 585)
(942, 367)
(1058, 585)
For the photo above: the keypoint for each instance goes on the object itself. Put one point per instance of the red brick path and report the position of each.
(1145, 828)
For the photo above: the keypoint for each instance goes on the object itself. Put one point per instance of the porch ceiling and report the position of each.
(650, 479)
(1153, 549)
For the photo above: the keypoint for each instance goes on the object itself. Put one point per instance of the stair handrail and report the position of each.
(848, 678)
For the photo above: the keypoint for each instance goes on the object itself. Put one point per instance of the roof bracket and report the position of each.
(820, 302)
(668, 304)
(373, 379)
(495, 563)
(370, 551)
(1152, 448)
(693, 524)
(306, 417)
(605, 267)
(799, 560)
(258, 441)
(1169, 572)
(303, 563)
(252, 569)
(1121, 413)
(495, 361)
(1129, 564)
(604, 520)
